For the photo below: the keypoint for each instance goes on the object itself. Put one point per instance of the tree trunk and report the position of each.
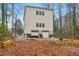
(74, 19)
(3, 14)
(12, 16)
(6, 17)
(60, 19)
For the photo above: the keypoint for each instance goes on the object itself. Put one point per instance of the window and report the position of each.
(40, 25)
(43, 25)
(36, 12)
(42, 13)
(37, 25)
(39, 12)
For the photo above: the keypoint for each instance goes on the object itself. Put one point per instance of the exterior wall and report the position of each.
(30, 20)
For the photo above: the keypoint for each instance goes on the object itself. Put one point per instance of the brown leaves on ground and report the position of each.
(37, 48)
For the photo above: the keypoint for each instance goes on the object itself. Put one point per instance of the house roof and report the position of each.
(39, 7)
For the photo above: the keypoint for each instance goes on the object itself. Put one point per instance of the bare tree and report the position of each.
(3, 14)
(74, 19)
(6, 16)
(46, 5)
(60, 19)
(12, 16)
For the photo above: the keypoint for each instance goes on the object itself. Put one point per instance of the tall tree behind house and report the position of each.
(60, 19)
(6, 16)
(12, 16)
(3, 14)
(68, 20)
(46, 5)
(55, 22)
(74, 19)
(3, 29)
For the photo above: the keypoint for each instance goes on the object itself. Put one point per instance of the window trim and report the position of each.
(34, 30)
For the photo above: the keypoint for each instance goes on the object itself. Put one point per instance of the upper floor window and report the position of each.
(39, 12)
(42, 13)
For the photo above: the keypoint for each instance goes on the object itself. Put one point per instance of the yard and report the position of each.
(44, 47)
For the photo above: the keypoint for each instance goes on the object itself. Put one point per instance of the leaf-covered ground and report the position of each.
(39, 48)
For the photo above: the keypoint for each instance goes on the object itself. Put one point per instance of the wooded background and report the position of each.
(65, 19)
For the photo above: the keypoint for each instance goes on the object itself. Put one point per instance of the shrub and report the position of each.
(3, 32)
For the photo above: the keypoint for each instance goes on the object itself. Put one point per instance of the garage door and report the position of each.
(34, 34)
(45, 34)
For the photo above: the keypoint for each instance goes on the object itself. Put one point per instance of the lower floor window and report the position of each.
(40, 25)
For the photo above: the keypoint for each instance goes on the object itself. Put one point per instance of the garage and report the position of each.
(34, 34)
(45, 34)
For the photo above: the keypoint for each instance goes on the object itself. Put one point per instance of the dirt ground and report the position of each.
(35, 47)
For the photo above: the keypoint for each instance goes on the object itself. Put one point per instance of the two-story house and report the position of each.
(38, 22)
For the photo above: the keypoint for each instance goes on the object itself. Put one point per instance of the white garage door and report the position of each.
(45, 34)
(34, 34)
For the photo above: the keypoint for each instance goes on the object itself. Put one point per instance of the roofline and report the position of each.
(38, 7)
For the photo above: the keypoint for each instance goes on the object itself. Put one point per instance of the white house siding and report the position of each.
(30, 20)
